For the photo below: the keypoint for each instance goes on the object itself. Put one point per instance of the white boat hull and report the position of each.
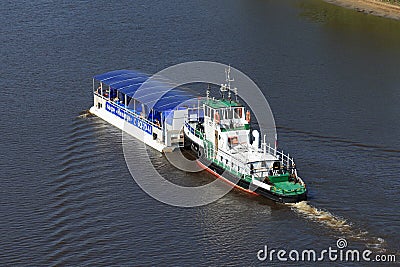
(132, 130)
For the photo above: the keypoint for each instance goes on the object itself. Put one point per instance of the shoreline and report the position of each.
(372, 7)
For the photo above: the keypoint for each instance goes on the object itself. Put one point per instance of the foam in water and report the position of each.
(322, 216)
(85, 113)
(336, 223)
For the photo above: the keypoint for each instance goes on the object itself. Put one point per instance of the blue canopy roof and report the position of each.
(156, 93)
(105, 76)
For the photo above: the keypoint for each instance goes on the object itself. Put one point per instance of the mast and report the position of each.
(228, 81)
(227, 86)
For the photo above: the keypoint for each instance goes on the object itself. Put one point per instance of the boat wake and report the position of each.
(324, 217)
(74, 221)
(338, 224)
(85, 114)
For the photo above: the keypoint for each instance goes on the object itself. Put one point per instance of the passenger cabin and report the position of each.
(153, 105)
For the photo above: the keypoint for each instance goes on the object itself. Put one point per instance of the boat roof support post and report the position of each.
(265, 145)
(163, 128)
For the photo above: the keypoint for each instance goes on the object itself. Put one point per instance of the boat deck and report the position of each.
(282, 184)
(246, 153)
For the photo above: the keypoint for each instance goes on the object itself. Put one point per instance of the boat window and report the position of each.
(230, 114)
(233, 140)
(238, 113)
(128, 101)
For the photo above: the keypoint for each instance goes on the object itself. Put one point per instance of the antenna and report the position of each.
(208, 91)
(228, 81)
(228, 77)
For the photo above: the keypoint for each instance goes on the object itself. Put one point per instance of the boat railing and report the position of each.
(195, 132)
(129, 110)
(242, 169)
(285, 159)
(234, 164)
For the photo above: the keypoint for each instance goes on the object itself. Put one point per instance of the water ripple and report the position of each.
(78, 186)
(335, 140)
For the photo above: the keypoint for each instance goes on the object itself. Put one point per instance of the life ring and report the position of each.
(216, 117)
(248, 116)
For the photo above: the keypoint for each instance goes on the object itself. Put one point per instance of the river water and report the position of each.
(332, 79)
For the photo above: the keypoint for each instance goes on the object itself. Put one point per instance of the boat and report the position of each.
(216, 131)
(130, 101)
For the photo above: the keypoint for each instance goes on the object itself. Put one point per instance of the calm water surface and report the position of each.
(332, 79)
